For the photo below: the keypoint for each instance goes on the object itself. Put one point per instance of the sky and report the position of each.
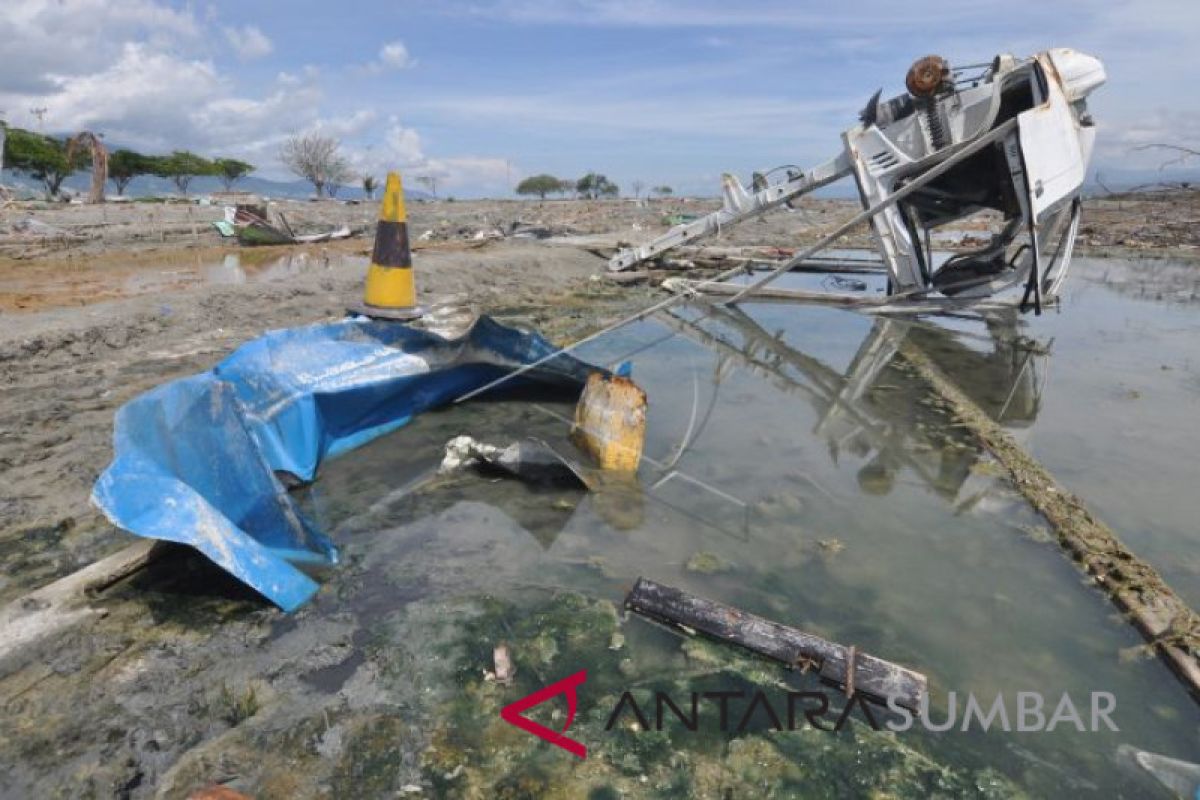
(481, 94)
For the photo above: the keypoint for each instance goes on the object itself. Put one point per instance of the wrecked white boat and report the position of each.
(1013, 136)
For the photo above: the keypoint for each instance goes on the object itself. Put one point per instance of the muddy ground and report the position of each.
(61, 235)
(132, 295)
(65, 371)
(115, 300)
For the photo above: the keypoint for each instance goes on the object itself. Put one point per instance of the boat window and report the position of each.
(1016, 95)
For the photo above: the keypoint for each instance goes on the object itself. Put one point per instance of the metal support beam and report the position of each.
(738, 206)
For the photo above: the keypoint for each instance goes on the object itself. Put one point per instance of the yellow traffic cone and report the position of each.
(391, 292)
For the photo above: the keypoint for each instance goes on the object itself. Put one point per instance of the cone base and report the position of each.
(397, 314)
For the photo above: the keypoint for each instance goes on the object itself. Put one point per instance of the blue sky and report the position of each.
(481, 93)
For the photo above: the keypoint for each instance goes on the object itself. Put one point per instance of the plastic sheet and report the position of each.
(195, 459)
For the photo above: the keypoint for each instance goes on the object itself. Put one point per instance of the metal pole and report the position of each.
(645, 312)
(975, 146)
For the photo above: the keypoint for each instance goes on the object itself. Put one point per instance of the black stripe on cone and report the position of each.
(391, 245)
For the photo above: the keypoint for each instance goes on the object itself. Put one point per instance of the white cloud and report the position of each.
(157, 102)
(708, 13)
(41, 38)
(158, 75)
(143, 91)
(1121, 143)
(249, 42)
(144, 80)
(395, 55)
(481, 172)
(400, 149)
(717, 117)
(355, 124)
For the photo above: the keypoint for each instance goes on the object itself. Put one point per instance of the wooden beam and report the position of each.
(64, 603)
(1163, 617)
(844, 666)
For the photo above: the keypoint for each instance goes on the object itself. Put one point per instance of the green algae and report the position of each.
(475, 754)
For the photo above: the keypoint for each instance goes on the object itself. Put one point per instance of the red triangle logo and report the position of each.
(512, 713)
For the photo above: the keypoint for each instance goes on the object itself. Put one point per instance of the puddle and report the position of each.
(239, 268)
(797, 470)
(40, 285)
(1118, 418)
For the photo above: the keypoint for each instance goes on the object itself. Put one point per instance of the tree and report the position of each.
(663, 191)
(230, 171)
(315, 158)
(566, 186)
(593, 186)
(637, 188)
(181, 167)
(430, 182)
(124, 166)
(541, 185)
(41, 157)
(368, 186)
(339, 174)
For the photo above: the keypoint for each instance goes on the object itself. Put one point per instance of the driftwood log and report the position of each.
(853, 671)
(65, 603)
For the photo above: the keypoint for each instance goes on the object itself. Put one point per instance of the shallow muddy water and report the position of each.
(1118, 423)
(795, 468)
(41, 285)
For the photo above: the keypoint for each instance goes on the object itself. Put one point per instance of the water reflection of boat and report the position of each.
(878, 410)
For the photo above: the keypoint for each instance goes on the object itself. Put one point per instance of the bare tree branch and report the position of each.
(316, 159)
(1184, 153)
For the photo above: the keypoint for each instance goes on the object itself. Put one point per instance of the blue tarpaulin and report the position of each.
(195, 459)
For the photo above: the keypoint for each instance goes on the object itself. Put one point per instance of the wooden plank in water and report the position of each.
(852, 670)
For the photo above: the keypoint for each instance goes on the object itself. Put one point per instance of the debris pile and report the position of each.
(446, 231)
(249, 223)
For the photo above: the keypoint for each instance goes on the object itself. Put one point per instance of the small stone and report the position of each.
(832, 546)
(707, 563)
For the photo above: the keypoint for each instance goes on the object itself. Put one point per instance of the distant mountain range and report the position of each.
(151, 186)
